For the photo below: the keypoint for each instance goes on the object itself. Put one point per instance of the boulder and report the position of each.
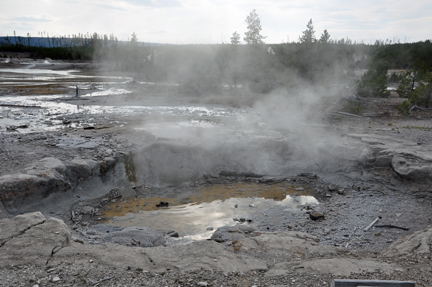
(136, 236)
(10, 228)
(413, 165)
(47, 176)
(407, 158)
(231, 233)
(37, 244)
(19, 189)
(51, 163)
(79, 168)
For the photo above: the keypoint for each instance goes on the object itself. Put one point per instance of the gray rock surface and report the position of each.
(104, 254)
(334, 266)
(3, 212)
(13, 227)
(205, 255)
(136, 236)
(410, 160)
(417, 243)
(231, 233)
(201, 255)
(30, 238)
(79, 168)
(37, 244)
(48, 176)
(413, 165)
(21, 188)
(290, 242)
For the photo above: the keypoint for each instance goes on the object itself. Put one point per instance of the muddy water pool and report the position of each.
(198, 214)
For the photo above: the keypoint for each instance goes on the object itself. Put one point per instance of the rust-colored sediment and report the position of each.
(208, 194)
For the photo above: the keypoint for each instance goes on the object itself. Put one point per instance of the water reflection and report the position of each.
(210, 207)
(31, 71)
(32, 74)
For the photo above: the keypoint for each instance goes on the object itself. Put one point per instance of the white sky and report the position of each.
(214, 21)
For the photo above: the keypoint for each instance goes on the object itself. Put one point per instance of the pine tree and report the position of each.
(134, 39)
(308, 34)
(253, 36)
(325, 37)
(235, 39)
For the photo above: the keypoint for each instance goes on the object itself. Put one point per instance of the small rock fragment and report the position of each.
(316, 216)
(55, 279)
(172, 233)
(162, 204)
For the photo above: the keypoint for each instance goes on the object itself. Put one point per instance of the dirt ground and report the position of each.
(348, 201)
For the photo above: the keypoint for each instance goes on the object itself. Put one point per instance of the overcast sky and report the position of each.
(214, 21)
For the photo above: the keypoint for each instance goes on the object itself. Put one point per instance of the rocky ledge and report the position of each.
(48, 176)
(410, 160)
(32, 240)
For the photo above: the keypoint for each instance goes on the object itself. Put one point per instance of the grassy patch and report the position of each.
(354, 107)
(418, 128)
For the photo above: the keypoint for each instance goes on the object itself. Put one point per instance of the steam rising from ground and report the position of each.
(275, 128)
(280, 135)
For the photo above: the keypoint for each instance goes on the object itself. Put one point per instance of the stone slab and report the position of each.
(12, 227)
(334, 266)
(36, 245)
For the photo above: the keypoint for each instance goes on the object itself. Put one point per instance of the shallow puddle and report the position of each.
(198, 214)
(41, 113)
(29, 73)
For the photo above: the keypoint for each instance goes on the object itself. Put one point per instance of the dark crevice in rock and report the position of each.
(53, 252)
(3, 212)
(149, 258)
(20, 233)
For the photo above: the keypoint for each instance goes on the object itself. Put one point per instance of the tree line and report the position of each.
(257, 66)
